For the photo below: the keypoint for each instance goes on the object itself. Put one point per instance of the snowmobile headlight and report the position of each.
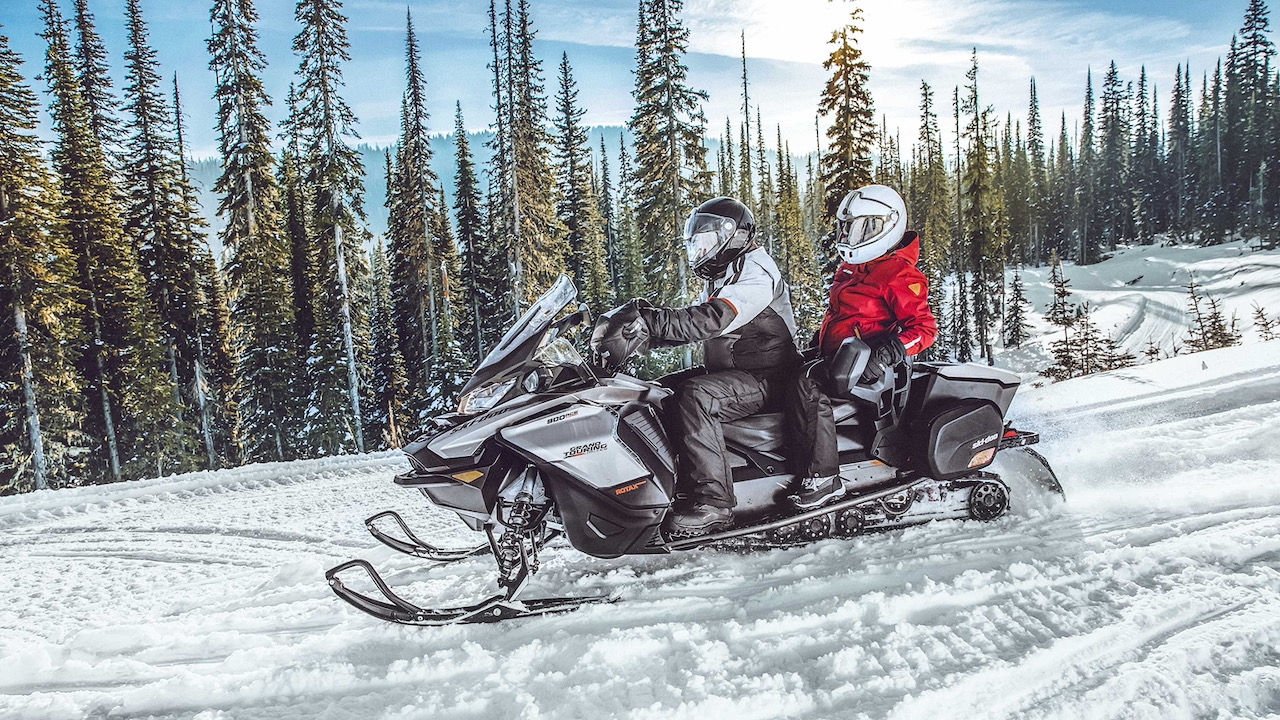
(558, 352)
(483, 398)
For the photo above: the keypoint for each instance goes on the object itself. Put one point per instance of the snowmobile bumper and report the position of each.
(415, 546)
(1021, 441)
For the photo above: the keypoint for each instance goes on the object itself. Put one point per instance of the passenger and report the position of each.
(878, 295)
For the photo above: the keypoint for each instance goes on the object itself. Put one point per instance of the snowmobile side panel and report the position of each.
(961, 439)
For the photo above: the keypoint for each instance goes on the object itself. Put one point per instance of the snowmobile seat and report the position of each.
(763, 432)
(766, 432)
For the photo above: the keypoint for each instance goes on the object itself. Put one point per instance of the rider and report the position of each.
(877, 294)
(748, 331)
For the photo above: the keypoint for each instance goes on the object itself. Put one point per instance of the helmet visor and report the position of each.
(705, 235)
(864, 229)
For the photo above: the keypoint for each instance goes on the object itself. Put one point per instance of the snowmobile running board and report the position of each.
(688, 543)
(415, 546)
(492, 609)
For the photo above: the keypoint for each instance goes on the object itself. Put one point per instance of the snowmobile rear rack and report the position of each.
(492, 609)
(415, 546)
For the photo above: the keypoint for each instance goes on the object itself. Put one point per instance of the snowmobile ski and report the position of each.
(492, 609)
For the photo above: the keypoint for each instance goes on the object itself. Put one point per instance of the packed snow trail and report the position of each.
(1155, 592)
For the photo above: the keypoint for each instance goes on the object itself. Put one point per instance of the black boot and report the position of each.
(816, 492)
(696, 519)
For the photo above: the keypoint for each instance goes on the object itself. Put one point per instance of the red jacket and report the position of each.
(888, 293)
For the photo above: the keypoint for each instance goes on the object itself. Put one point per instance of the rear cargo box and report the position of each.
(938, 386)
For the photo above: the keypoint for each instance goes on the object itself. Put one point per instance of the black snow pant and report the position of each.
(811, 427)
(703, 400)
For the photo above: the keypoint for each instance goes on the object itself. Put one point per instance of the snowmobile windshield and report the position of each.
(516, 347)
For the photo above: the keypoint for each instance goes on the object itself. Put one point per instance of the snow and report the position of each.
(1153, 593)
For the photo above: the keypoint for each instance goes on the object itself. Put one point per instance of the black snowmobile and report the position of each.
(546, 443)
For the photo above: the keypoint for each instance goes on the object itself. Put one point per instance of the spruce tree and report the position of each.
(163, 227)
(294, 201)
(212, 388)
(1038, 191)
(41, 401)
(94, 75)
(577, 206)
(386, 417)
(411, 234)
(846, 100)
(483, 265)
(130, 405)
(985, 228)
(338, 363)
(631, 278)
(1112, 186)
(1267, 327)
(670, 174)
(609, 216)
(268, 367)
(800, 268)
(1015, 325)
(930, 212)
(449, 366)
(538, 249)
(1060, 311)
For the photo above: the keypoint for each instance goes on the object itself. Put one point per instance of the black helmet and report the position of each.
(716, 232)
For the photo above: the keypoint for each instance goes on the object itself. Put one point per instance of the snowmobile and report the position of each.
(546, 443)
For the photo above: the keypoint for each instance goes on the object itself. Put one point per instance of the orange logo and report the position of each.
(914, 288)
(629, 488)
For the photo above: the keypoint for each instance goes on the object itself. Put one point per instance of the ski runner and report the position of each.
(877, 294)
(748, 330)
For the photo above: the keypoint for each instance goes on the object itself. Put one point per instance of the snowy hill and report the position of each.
(1155, 592)
(1140, 295)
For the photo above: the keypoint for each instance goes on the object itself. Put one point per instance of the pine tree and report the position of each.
(94, 75)
(1267, 327)
(41, 402)
(930, 211)
(1209, 327)
(985, 227)
(212, 387)
(631, 279)
(163, 228)
(449, 366)
(411, 227)
(800, 263)
(1039, 185)
(130, 406)
(670, 173)
(1180, 151)
(846, 99)
(745, 191)
(484, 267)
(1114, 210)
(577, 206)
(1016, 327)
(1061, 311)
(609, 216)
(538, 248)
(295, 199)
(386, 415)
(502, 199)
(338, 365)
(261, 298)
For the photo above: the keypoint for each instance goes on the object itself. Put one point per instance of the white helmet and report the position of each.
(870, 223)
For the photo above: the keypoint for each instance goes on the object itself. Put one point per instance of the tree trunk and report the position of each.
(353, 377)
(29, 393)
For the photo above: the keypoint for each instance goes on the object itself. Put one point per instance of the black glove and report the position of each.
(886, 352)
(620, 333)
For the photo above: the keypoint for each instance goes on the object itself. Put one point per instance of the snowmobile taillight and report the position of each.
(1011, 433)
(982, 458)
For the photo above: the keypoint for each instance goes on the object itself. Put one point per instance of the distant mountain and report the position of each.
(443, 162)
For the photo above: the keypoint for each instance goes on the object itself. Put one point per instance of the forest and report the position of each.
(128, 350)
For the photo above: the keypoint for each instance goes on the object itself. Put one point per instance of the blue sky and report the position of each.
(904, 40)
